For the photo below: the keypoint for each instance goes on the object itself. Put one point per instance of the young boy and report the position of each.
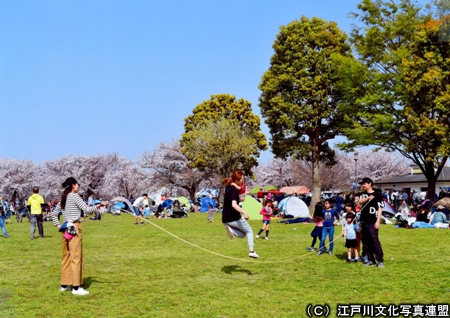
(211, 214)
(349, 229)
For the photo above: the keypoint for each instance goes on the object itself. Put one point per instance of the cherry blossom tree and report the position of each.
(278, 172)
(170, 169)
(376, 165)
(379, 165)
(89, 171)
(18, 177)
(125, 178)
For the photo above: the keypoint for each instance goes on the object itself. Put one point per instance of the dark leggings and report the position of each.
(314, 241)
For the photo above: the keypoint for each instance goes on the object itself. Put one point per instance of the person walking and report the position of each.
(34, 204)
(372, 206)
(2, 222)
(234, 218)
(72, 262)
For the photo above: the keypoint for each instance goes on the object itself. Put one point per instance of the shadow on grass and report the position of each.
(235, 268)
(88, 281)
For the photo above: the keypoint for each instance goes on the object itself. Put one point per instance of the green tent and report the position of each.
(255, 189)
(252, 207)
(185, 201)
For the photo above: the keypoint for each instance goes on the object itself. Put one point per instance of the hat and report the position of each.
(440, 207)
(365, 180)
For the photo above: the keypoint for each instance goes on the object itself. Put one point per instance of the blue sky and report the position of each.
(93, 77)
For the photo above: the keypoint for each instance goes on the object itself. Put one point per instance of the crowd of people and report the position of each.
(359, 216)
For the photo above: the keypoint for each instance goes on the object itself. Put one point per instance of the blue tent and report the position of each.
(282, 204)
(205, 202)
(204, 192)
(119, 205)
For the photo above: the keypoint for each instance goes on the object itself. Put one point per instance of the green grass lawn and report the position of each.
(141, 271)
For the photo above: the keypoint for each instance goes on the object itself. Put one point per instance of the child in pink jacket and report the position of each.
(266, 213)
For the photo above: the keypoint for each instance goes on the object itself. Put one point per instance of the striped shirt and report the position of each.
(72, 212)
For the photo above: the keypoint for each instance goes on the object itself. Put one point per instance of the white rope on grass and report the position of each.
(230, 257)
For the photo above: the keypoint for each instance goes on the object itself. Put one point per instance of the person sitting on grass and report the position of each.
(146, 211)
(422, 220)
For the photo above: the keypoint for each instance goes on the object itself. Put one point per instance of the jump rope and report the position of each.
(235, 258)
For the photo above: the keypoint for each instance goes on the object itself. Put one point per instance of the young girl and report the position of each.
(318, 221)
(266, 213)
(349, 230)
(211, 214)
(330, 219)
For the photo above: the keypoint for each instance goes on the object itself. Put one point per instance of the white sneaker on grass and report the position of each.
(63, 289)
(80, 291)
(229, 232)
(253, 255)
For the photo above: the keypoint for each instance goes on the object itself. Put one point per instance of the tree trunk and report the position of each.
(431, 176)
(192, 194)
(431, 192)
(317, 182)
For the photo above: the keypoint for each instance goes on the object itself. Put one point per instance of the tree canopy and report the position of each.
(397, 92)
(300, 98)
(223, 134)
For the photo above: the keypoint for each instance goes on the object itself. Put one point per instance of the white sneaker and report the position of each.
(80, 291)
(63, 289)
(257, 236)
(267, 238)
(253, 255)
(229, 232)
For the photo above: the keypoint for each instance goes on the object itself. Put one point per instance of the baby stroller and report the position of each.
(177, 210)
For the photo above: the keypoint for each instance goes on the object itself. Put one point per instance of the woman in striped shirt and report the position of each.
(71, 206)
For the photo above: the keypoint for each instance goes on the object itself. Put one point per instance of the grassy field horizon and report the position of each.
(142, 271)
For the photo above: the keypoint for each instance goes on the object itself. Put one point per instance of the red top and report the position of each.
(266, 213)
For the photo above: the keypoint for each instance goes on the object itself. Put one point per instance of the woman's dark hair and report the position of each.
(318, 211)
(67, 185)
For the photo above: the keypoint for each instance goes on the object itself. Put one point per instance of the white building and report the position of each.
(415, 180)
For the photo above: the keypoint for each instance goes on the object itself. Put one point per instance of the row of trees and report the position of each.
(386, 85)
(167, 168)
